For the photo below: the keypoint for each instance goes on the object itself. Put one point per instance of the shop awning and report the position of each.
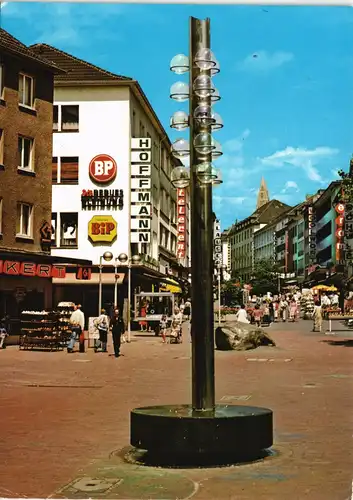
(170, 285)
(107, 279)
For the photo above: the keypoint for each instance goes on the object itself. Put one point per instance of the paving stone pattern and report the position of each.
(65, 418)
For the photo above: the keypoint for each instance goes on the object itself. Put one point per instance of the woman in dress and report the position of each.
(242, 316)
(143, 313)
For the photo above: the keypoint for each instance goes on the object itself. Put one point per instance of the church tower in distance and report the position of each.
(263, 196)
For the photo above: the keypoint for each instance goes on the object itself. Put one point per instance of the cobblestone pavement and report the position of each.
(64, 419)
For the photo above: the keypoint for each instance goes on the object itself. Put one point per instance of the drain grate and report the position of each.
(235, 398)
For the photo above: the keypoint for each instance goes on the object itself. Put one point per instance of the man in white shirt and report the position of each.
(325, 301)
(78, 317)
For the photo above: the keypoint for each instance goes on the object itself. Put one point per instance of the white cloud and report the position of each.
(3, 4)
(305, 159)
(263, 61)
(290, 185)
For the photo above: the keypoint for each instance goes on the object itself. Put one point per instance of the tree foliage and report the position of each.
(231, 293)
(347, 184)
(265, 277)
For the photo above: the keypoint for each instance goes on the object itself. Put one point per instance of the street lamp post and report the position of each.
(220, 270)
(124, 259)
(108, 257)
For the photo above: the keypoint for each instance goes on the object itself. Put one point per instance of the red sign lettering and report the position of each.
(30, 269)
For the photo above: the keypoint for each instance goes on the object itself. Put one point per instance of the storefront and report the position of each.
(26, 284)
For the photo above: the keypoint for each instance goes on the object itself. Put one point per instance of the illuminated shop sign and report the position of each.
(30, 269)
(181, 221)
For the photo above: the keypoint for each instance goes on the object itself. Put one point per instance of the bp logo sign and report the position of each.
(102, 169)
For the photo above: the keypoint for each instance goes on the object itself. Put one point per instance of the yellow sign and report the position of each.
(102, 229)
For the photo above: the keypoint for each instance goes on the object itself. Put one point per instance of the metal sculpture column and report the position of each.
(201, 432)
(202, 330)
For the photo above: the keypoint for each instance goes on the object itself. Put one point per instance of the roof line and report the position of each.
(90, 65)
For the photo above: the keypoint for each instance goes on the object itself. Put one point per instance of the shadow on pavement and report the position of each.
(345, 343)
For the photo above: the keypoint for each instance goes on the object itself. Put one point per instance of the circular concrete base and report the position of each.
(177, 433)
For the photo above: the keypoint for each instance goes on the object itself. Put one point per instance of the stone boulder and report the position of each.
(234, 336)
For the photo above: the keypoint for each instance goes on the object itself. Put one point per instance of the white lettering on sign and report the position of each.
(141, 170)
(103, 167)
(140, 184)
(141, 143)
(141, 224)
(141, 210)
(139, 237)
(141, 197)
(141, 156)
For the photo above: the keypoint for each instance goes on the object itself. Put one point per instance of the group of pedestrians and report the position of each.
(103, 325)
(267, 310)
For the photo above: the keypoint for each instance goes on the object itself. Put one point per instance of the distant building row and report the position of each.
(317, 233)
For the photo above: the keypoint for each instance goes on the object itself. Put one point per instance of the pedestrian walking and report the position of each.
(317, 316)
(118, 330)
(77, 322)
(187, 309)
(3, 335)
(102, 324)
(293, 311)
(163, 328)
(271, 309)
(242, 316)
(258, 314)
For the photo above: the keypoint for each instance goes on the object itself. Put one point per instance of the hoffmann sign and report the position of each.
(103, 169)
(181, 204)
(140, 209)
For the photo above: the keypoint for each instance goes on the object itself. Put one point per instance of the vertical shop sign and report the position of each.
(312, 235)
(339, 222)
(348, 232)
(274, 246)
(218, 257)
(141, 190)
(181, 221)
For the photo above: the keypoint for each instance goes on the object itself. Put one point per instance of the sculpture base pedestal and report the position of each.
(180, 436)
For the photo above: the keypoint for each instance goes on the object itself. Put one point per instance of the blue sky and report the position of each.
(287, 111)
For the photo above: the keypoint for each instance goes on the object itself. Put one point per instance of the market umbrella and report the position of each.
(324, 288)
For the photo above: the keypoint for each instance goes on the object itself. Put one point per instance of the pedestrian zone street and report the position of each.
(65, 419)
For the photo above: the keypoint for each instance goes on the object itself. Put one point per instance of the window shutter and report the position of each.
(69, 170)
(54, 171)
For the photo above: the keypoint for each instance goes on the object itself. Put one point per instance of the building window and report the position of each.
(68, 230)
(54, 225)
(69, 170)
(66, 118)
(1, 81)
(1, 147)
(1, 209)
(65, 170)
(25, 153)
(55, 118)
(24, 225)
(25, 89)
(133, 123)
(54, 170)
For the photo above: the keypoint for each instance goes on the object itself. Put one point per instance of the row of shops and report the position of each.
(40, 282)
